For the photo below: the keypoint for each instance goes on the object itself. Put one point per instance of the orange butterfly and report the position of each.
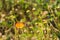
(19, 25)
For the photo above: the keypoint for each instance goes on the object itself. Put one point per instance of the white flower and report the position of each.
(2, 15)
(28, 11)
(33, 8)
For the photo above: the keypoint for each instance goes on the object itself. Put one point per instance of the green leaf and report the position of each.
(9, 24)
(26, 5)
(36, 12)
(4, 23)
(38, 1)
(22, 1)
(0, 4)
(8, 38)
(58, 13)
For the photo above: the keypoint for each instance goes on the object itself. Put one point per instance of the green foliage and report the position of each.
(40, 17)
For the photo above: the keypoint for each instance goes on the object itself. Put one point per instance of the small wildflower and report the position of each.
(25, 30)
(16, 9)
(2, 15)
(31, 27)
(33, 8)
(44, 13)
(45, 21)
(12, 39)
(28, 11)
(10, 12)
(45, 31)
(19, 25)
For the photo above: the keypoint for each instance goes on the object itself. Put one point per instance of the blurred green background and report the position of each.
(41, 19)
